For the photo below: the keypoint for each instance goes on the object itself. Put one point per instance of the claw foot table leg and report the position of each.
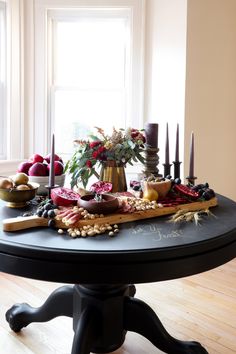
(140, 318)
(59, 303)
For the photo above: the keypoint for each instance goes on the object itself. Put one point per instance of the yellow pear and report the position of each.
(149, 193)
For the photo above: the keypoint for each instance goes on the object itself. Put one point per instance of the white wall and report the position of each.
(211, 91)
(166, 22)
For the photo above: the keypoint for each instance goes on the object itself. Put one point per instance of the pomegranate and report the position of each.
(101, 187)
(48, 158)
(58, 168)
(24, 167)
(36, 158)
(38, 169)
(64, 196)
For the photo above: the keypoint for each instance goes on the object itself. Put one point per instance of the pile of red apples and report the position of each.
(38, 165)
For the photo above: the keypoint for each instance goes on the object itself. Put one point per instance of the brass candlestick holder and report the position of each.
(151, 161)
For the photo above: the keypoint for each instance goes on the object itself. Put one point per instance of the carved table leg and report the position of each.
(85, 333)
(59, 303)
(140, 318)
(102, 314)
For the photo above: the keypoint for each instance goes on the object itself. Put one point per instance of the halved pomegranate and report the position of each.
(64, 196)
(101, 187)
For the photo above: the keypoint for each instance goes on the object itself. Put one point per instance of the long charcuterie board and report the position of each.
(21, 223)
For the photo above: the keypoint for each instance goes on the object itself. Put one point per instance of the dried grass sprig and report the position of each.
(185, 215)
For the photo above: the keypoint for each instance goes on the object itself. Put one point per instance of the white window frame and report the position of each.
(3, 96)
(42, 128)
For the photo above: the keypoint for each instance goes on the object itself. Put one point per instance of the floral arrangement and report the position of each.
(118, 149)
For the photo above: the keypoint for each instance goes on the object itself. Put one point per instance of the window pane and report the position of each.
(77, 112)
(91, 53)
(2, 81)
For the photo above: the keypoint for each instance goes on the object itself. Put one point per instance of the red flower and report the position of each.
(94, 143)
(95, 154)
(101, 149)
(88, 163)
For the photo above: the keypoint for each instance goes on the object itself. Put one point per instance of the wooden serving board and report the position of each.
(21, 223)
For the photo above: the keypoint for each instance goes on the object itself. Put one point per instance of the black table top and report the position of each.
(143, 251)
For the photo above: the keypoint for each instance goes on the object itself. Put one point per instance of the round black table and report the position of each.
(102, 302)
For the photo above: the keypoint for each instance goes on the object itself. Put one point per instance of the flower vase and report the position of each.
(115, 174)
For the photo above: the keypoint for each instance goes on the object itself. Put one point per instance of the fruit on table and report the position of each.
(64, 196)
(20, 178)
(185, 190)
(149, 193)
(36, 158)
(6, 183)
(24, 167)
(38, 169)
(58, 168)
(101, 187)
(40, 166)
(56, 158)
(23, 187)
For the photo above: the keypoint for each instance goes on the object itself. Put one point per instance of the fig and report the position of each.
(20, 178)
(6, 183)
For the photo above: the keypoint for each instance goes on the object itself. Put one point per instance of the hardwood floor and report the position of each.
(201, 307)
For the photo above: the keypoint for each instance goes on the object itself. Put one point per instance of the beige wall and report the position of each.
(209, 107)
(211, 91)
(165, 55)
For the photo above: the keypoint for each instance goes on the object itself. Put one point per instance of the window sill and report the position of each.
(8, 167)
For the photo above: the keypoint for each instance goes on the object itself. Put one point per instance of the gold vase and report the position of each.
(111, 172)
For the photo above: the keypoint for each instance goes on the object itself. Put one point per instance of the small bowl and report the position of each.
(44, 180)
(161, 187)
(108, 205)
(18, 198)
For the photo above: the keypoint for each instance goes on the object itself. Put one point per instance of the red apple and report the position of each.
(58, 168)
(24, 167)
(36, 158)
(48, 158)
(38, 169)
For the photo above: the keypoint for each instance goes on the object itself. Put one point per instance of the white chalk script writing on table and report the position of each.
(156, 232)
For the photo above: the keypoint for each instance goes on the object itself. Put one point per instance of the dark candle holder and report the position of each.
(176, 169)
(49, 188)
(191, 180)
(151, 161)
(167, 167)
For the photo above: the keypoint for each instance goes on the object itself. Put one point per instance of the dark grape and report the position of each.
(51, 223)
(206, 185)
(39, 212)
(136, 188)
(177, 180)
(51, 214)
(45, 214)
(168, 176)
(47, 206)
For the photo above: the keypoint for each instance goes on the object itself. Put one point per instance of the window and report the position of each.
(92, 56)
(2, 80)
(90, 74)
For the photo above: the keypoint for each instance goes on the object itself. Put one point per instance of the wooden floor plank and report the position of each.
(201, 307)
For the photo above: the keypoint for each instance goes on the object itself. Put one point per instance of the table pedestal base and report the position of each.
(102, 314)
